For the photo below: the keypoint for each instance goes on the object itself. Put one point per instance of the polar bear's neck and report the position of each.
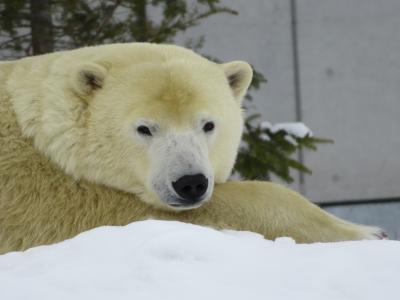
(8, 123)
(43, 112)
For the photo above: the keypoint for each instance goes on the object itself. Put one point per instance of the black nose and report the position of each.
(191, 187)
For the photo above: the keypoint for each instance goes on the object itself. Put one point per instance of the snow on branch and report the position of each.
(296, 129)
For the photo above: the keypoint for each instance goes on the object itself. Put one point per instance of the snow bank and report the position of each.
(172, 260)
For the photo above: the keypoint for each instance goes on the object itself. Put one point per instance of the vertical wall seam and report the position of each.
(296, 80)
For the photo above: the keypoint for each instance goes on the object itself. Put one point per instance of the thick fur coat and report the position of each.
(68, 161)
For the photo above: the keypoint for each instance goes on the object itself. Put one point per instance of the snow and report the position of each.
(265, 137)
(265, 125)
(290, 139)
(296, 129)
(173, 260)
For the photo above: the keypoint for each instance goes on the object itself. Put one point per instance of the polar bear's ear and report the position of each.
(87, 78)
(239, 75)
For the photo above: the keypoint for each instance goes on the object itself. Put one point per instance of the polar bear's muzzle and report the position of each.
(181, 175)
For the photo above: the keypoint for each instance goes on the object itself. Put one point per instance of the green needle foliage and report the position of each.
(31, 27)
(265, 152)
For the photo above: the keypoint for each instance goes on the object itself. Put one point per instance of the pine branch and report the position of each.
(14, 39)
(106, 20)
(182, 23)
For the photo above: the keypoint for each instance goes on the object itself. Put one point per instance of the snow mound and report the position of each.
(173, 260)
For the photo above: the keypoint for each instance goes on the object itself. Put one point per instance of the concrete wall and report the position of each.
(350, 78)
(349, 58)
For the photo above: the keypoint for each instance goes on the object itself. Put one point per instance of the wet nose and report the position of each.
(191, 187)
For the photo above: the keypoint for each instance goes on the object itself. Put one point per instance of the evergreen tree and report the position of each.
(41, 26)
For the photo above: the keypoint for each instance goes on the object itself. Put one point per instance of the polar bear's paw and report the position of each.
(373, 233)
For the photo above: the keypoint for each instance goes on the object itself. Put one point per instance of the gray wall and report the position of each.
(349, 58)
(350, 78)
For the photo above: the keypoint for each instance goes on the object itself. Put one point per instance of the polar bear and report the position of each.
(112, 134)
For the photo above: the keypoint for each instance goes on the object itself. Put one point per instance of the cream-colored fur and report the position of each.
(71, 158)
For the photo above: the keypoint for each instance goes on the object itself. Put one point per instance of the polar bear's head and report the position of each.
(164, 130)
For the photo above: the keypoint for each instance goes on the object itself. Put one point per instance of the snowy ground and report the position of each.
(172, 260)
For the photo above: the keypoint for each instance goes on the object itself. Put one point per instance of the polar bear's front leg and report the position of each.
(273, 211)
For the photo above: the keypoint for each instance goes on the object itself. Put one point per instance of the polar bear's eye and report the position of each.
(144, 130)
(208, 127)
